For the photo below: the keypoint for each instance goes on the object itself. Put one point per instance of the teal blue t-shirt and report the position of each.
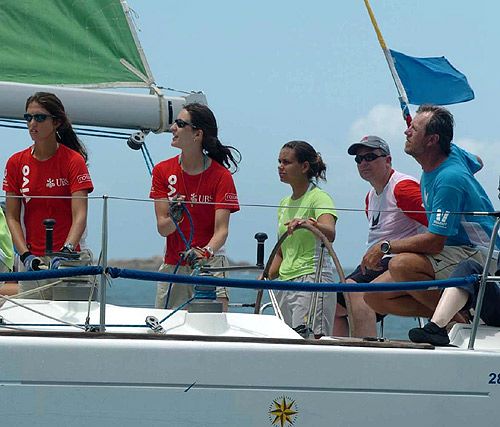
(448, 192)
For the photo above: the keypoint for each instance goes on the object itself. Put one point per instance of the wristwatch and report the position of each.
(385, 247)
(69, 246)
(209, 252)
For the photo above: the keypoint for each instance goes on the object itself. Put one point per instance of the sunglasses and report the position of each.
(38, 117)
(368, 157)
(182, 123)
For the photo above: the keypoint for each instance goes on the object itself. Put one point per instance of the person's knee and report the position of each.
(399, 263)
(406, 265)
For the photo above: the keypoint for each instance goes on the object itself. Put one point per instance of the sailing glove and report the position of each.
(175, 209)
(31, 262)
(56, 262)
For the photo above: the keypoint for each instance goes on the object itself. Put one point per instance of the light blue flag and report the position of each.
(431, 80)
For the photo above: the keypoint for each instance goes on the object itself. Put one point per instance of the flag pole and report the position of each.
(403, 98)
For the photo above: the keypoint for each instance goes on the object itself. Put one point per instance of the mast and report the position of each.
(403, 98)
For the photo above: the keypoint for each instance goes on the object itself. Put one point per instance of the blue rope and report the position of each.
(291, 286)
(186, 242)
(51, 274)
(177, 309)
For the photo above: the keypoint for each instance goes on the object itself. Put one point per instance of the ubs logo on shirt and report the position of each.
(58, 182)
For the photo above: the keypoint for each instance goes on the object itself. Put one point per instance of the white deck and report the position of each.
(181, 323)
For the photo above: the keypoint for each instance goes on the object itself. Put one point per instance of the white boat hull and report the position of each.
(50, 378)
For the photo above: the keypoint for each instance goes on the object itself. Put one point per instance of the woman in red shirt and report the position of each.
(54, 166)
(200, 177)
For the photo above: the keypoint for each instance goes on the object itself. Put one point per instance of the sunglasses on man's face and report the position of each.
(38, 117)
(182, 123)
(368, 157)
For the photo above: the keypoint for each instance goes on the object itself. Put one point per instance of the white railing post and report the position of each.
(482, 285)
(104, 264)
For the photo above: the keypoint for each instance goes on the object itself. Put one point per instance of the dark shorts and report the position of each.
(490, 310)
(359, 277)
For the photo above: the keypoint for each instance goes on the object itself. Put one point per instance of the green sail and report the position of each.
(69, 42)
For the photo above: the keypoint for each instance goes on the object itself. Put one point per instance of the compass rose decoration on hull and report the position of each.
(283, 412)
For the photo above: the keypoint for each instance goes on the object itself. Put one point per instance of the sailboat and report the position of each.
(197, 368)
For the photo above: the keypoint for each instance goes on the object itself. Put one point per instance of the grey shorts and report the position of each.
(445, 261)
(294, 306)
(181, 292)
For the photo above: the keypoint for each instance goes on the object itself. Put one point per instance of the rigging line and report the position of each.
(42, 314)
(32, 291)
(176, 90)
(264, 205)
(176, 310)
(253, 205)
(12, 126)
(76, 128)
(148, 154)
(147, 159)
(97, 135)
(14, 196)
(124, 138)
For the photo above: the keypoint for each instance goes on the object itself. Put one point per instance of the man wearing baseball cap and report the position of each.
(394, 210)
(450, 193)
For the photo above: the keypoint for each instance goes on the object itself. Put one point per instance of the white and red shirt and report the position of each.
(397, 212)
(211, 190)
(61, 175)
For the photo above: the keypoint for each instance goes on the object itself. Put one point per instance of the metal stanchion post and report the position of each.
(104, 264)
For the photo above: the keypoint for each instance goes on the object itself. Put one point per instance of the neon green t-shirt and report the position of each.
(301, 249)
(6, 249)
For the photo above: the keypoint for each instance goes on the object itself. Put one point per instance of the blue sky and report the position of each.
(274, 71)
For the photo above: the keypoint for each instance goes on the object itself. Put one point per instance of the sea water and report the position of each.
(137, 293)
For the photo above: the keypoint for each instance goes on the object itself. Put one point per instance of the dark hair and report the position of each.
(305, 152)
(65, 133)
(440, 123)
(203, 118)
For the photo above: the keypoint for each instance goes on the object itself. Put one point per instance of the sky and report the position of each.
(275, 71)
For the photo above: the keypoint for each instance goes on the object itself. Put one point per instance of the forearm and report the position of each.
(165, 226)
(76, 231)
(218, 240)
(221, 229)
(17, 234)
(79, 206)
(425, 243)
(328, 229)
(274, 270)
(13, 218)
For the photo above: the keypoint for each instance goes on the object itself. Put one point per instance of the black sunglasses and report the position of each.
(38, 117)
(182, 123)
(368, 157)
